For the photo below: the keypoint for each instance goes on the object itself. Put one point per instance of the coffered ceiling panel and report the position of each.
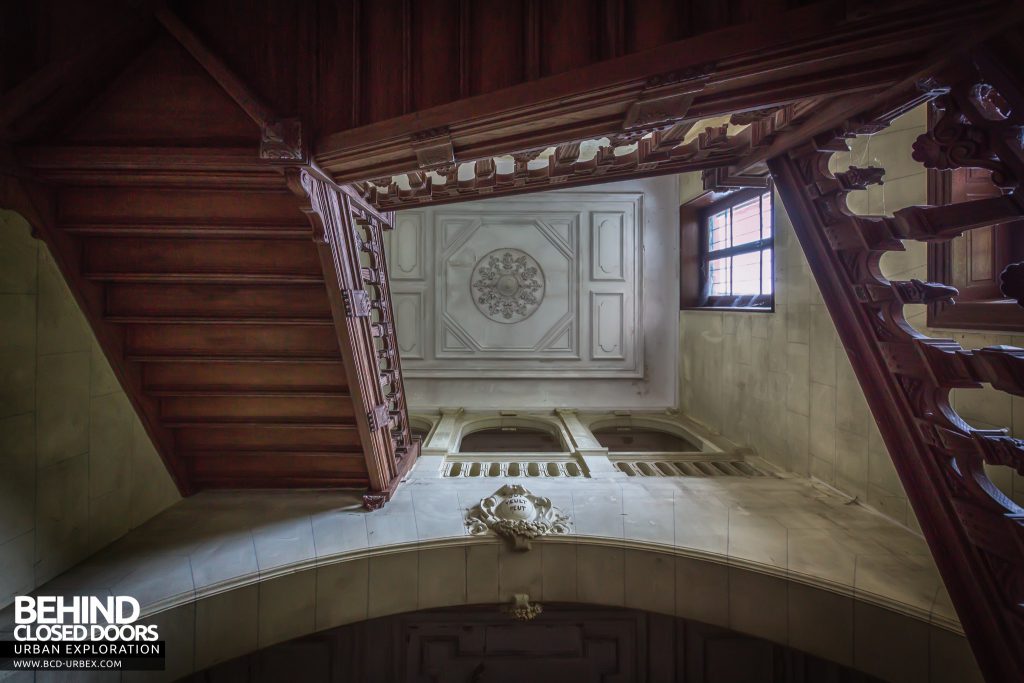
(540, 286)
(547, 290)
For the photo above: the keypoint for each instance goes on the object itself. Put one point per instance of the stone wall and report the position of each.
(781, 382)
(77, 470)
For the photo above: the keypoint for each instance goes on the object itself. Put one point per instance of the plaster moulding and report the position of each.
(522, 609)
(512, 511)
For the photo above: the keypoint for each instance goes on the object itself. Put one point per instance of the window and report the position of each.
(641, 440)
(510, 440)
(731, 242)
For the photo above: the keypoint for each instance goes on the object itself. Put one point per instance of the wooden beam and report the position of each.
(243, 95)
(204, 167)
(908, 92)
(810, 51)
(281, 138)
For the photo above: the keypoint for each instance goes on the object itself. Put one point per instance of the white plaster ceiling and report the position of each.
(540, 301)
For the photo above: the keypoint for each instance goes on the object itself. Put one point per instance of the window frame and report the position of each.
(696, 256)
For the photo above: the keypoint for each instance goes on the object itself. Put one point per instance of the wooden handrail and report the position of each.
(975, 532)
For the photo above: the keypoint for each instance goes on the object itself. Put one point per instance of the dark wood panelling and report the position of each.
(435, 52)
(164, 98)
(277, 470)
(240, 408)
(232, 259)
(650, 23)
(244, 377)
(307, 342)
(262, 436)
(268, 45)
(569, 35)
(496, 44)
(256, 302)
(382, 63)
(564, 643)
(120, 204)
(337, 67)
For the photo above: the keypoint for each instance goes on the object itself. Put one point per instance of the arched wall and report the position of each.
(547, 424)
(378, 582)
(225, 573)
(658, 423)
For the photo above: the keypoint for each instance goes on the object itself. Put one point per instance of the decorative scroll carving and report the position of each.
(512, 511)
(378, 417)
(859, 178)
(918, 292)
(281, 140)
(661, 151)
(433, 148)
(522, 609)
(663, 102)
(976, 533)
(973, 131)
(357, 302)
(745, 118)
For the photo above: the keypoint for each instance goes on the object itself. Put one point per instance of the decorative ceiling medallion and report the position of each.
(514, 512)
(507, 285)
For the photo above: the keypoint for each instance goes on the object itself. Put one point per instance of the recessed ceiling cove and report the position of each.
(550, 285)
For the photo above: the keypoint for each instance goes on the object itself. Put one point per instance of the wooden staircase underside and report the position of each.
(186, 169)
(205, 287)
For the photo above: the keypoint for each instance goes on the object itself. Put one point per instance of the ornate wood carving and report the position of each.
(357, 302)
(281, 140)
(433, 148)
(659, 153)
(975, 532)
(344, 227)
(791, 55)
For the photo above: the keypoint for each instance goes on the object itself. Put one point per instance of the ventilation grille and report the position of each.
(567, 469)
(690, 468)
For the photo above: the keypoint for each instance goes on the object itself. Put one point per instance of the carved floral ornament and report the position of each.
(508, 285)
(512, 511)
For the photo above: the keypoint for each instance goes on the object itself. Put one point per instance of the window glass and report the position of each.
(738, 264)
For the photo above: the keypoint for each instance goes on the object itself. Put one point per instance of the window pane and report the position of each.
(766, 271)
(746, 222)
(766, 214)
(746, 275)
(718, 231)
(718, 276)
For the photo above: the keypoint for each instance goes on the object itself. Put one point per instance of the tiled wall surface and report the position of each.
(226, 572)
(77, 470)
(781, 382)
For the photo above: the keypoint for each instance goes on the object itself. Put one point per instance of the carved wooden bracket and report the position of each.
(357, 302)
(281, 140)
(378, 417)
(433, 148)
(664, 101)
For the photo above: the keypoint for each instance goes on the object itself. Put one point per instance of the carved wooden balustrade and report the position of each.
(976, 533)
(640, 151)
(349, 237)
